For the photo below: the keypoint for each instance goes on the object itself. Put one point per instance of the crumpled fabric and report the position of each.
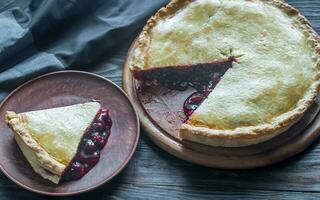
(41, 36)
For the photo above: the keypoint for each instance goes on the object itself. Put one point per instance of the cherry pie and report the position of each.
(62, 143)
(254, 63)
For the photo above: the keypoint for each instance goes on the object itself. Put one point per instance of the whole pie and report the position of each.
(62, 143)
(254, 63)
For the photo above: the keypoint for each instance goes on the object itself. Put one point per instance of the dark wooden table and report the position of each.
(153, 173)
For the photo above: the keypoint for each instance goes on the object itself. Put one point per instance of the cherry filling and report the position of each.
(182, 76)
(196, 98)
(88, 153)
(203, 77)
(192, 103)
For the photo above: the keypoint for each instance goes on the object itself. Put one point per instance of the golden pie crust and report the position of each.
(43, 160)
(193, 130)
(46, 161)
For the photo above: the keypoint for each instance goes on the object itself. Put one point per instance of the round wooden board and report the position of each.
(61, 89)
(153, 107)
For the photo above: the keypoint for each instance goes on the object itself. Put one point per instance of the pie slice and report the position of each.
(265, 54)
(62, 143)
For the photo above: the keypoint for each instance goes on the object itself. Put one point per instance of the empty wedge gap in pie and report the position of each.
(254, 63)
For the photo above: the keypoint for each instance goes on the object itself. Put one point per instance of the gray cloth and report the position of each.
(40, 36)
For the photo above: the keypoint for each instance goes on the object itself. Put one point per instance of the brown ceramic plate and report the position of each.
(66, 88)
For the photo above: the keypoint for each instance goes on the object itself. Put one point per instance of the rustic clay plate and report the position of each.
(160, 112)
(61, 89)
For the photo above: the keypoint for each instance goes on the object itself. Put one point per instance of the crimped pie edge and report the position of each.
(242, 136)
(43, 157)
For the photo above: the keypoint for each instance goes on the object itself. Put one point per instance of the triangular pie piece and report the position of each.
(275, 57)
(64, 142)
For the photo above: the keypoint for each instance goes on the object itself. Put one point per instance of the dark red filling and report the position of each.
(180, 77)
(196, 98)
(88, 153)
(203, 77)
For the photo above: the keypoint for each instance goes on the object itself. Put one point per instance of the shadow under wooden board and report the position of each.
(160, 112)
(61, 89)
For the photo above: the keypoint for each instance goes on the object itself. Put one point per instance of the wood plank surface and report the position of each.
(153, 173)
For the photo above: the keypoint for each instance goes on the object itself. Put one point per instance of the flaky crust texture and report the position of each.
(242, 136)
(15, 122)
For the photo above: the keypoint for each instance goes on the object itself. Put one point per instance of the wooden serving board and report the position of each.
(160, 112)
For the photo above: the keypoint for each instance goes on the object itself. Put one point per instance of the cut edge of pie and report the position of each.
(250, 135)
(41, 160)
(242, 136)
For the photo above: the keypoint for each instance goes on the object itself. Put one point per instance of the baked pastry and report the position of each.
(62, 143)
(255, 64)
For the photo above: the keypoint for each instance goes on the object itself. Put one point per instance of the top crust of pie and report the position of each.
(274, 82)
(50, 138)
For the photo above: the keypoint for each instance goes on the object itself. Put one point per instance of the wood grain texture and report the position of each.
(154, 173)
